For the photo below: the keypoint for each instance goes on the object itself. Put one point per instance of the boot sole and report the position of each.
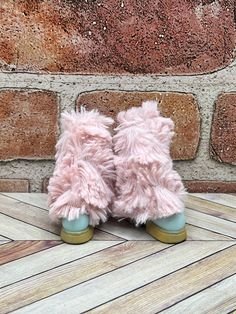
(165, 236)
(77, 237)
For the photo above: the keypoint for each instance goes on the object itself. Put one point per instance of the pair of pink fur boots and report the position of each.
(129, 175)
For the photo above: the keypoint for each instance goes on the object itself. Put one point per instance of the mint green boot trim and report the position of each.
(76, 231)
(76, 225)
(173, 223)
(168, 230)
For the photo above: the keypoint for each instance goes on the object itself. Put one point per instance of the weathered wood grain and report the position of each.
(18, 230)
(211, 223)
(27, 213)
(34, 199)
(211, 208)
(4, 241)
(126, 230)
(100, 235)
(218, 198)
(123, 280)
(18, 249)
(45, 260)
(175, 287)
(69, 275)
(123, 269)
(218, 299)
(3, 238)
(197, 233)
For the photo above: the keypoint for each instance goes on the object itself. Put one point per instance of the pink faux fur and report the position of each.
(83, 177)
(147, 186)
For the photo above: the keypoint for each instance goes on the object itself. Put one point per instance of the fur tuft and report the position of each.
(147, 186)
(84, 172)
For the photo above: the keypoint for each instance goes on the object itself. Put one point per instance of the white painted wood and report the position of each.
(126, 230)
(48, 259)
(114, 284)
(164, 292)
(197, 233)
(211, 208)
(222, 226)
(218, 299)
(35, 199)
(219, 198)
(71, 274)
(18, 230)
(4, 241)
(27, 213)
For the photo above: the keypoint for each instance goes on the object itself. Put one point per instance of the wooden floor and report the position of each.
(123, 270)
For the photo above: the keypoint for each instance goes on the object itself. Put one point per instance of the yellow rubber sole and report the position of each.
(77, 237)
(165, 236)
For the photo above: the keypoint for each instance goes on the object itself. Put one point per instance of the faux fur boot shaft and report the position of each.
(82, 182)
(147, 186)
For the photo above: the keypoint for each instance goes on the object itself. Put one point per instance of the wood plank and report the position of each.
(220, 198)
(45, 260)
(18, 249)
(4, 241)
(212, 223)
(196, 233)
(109, 286)
(3, 238)
(27, 213)
(211, 208)
(180, 285)
(66, 276)
(218, 299)
(35, 199)
(18, 230)
(100, 235)
(126, 230)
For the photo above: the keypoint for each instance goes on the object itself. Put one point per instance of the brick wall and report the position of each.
(57, 55)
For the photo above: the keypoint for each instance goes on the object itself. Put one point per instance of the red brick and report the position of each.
(167, 36)
(182, 108)
(28, 124)
(14, 185)
(223, 134)
(210, 186)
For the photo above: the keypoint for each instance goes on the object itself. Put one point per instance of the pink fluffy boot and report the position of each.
(80, 189)
(148, 189)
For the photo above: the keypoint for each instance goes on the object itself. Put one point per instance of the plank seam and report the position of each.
(19, 201)
(200, 212)
(111, 234)
(211, 201)
(5, 237)
(210, 286)
(2, 242)
(228, 240)
(27, 223)
(60, 243)
(233, 238)
(42, 272)
(84, 280)
(158, 279)
(97, 240)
